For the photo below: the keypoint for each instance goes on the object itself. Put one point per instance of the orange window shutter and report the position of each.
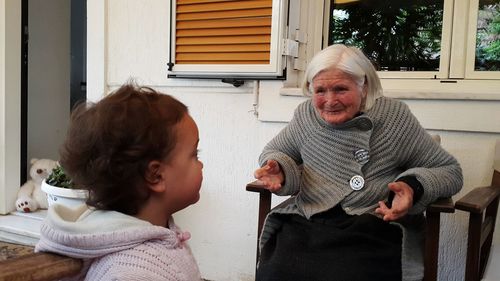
(223, 32)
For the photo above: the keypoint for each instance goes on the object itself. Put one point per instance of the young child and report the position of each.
(135, 151)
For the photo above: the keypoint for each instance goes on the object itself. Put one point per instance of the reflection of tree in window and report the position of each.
(402, 35)
(488, 36)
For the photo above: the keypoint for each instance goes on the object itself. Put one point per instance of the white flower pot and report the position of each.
(65, 196)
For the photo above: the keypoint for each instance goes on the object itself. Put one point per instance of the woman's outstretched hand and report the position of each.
(402, 202)
(270, 175)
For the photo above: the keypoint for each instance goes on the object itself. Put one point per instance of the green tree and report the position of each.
(488, 38)
(395, 34)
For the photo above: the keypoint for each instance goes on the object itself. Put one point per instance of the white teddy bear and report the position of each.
(30, 196)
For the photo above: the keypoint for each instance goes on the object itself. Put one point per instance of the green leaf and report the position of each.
(59, 178)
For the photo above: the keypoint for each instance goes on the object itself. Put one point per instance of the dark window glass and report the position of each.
(398, 35)
(488, 36)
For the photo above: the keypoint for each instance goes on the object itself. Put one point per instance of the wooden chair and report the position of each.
(482, 205)
(433, 219)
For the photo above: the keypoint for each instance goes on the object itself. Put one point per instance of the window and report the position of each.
(442, 46)
(402, 36)
(218, 39)
(456, 66)
(483, 51)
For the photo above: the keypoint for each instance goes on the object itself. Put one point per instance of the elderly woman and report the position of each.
(363, 170)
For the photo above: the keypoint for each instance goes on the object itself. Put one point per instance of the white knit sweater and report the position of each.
(116, 246)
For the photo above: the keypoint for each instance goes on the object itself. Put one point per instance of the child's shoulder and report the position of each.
(156, 259)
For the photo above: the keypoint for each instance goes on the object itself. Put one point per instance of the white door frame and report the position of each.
(10, 102)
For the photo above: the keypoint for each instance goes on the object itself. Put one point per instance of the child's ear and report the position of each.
(153, 176)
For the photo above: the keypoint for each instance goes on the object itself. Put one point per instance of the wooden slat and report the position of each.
(264, 205)
(200, 24)
(225, 6)
(222, 56)
(224, 31)
(250, 39)
(431, 245)
(226, 14)
(183, 2)
(224, 62)
(473, 247)
(486, 229)
(496, 178)
(223, 48)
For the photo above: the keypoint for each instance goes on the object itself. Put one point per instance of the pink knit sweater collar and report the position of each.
(88, 233)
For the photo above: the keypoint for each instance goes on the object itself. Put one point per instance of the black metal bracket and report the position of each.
(234, 82)
(170, 66)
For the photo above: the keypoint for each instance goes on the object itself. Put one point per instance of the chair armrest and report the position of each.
(257, 186)
(441, 205)
(478, 199)
(40, 267)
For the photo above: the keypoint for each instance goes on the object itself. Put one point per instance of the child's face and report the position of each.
(183, 174)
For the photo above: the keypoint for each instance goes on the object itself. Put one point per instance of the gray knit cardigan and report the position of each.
(318, 160)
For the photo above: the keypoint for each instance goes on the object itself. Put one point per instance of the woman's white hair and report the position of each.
(349, 60)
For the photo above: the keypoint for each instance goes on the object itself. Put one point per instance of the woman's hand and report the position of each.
(402, 202)
(271, 175)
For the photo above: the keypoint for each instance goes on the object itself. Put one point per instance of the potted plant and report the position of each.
(61, 190)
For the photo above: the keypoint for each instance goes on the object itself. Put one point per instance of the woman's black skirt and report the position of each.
(332, 246)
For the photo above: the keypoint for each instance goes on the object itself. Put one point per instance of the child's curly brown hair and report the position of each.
(110, 143)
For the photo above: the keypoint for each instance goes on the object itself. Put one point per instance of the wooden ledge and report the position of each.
(39, 267)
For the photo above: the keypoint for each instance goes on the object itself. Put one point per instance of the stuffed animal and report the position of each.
(30, 196)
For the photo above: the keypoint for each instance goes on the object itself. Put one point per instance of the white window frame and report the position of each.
(463, 81)
(273, 69)
(10, 103)
(305, 25)
(456, 78)
(445, 53)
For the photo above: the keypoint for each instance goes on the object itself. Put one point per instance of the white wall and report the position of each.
(224, 221)
(48, 76)
(133, 42)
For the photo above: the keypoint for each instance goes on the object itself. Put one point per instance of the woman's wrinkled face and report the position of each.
(336, 96)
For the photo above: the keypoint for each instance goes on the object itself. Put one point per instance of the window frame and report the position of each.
(10, 104)
(445, 43)
(273, 70)
(470, 72)
(462, 82)
(458, 47)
